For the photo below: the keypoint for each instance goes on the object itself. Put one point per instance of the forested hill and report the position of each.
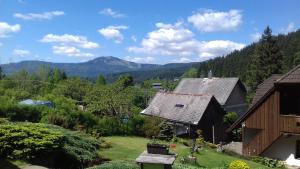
(237, 63)
(109, 66)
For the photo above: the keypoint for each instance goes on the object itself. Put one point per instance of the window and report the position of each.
(290, 100)
(179, 105)
(297, 153)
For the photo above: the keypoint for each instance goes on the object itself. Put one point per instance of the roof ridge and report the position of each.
(186, 94)
(288, 73)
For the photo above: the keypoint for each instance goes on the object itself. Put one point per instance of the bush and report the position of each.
(16, 112)
(184, 166)
(238, 164)
(117, 165)
(27, 140)
(152, 126)
(49, 144)
(81, 147)
(272, 163)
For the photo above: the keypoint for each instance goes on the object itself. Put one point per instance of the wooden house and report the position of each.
(271, 126)
(190, 113)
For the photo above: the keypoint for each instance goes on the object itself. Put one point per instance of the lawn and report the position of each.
(129, 148)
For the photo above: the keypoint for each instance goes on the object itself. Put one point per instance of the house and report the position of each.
(189, 113)
(271, 126)
(31, 102)
(229, 92)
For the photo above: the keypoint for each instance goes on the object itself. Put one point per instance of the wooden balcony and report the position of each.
(289, 124)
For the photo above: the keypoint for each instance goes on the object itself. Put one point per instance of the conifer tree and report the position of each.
(267, 60)
(2, 75)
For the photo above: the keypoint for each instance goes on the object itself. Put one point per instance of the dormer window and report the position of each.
(179, 105)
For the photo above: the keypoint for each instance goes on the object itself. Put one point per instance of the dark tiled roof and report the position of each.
(184, 108)
(264, 87)
(220, 88)
(292, 76)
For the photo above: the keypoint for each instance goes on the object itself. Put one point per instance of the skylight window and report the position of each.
(179, 105)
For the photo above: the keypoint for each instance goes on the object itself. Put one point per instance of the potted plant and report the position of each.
(156, 147)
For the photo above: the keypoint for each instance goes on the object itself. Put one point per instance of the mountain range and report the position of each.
(109, 66)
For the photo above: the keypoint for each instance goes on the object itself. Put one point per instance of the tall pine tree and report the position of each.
(2, 75)
(267, 59)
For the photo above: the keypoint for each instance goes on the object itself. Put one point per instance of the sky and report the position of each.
(156, 31)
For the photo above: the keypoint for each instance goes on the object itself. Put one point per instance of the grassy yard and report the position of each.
(128, 148)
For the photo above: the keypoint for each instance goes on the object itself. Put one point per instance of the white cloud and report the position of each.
(21, 52)
(112, 13)
(175, 40)
(255, 36)
(70, 45)
(289, 28)
(39, 16)
(113, 32)
(133, 38)
(6, 29)
(183, 60)
(67, 39)
(212, 21)
(147, 59)
(70, 51)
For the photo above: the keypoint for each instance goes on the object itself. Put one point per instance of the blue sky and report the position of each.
(156, 31)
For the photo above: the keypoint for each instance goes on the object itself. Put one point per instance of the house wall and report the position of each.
(236, 101)
(284, 149)
(265, 117)
(213, 117)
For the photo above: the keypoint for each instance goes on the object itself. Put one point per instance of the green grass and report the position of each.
(129, 148)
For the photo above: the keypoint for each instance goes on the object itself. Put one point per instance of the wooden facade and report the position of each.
(266, 119)
(270, 124)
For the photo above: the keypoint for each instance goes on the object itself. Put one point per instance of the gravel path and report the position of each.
(34, 167)
(236, 147)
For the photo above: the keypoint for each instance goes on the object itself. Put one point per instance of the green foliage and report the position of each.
(230, 117)
(267, 59)
(82, 147)
(27, 140)
(191, 73)
(166, 131)
(125, 81)
(2, 75)
(16, 112)
(297, 59)
(74, 88)
(272, 163)
(152, 126)
(36, 141)
(185, 166)
(117, 165)
(238, 164)
(101, 80)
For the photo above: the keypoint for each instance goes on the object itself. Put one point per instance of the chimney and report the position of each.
(210, 74)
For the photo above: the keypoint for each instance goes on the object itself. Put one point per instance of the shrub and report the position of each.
(238, 164)
(27, 140)
(117, 165)
(152, 126)
(269, 162)
(81, 147)
(16, 112)
(184, 166)
(44, 143)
